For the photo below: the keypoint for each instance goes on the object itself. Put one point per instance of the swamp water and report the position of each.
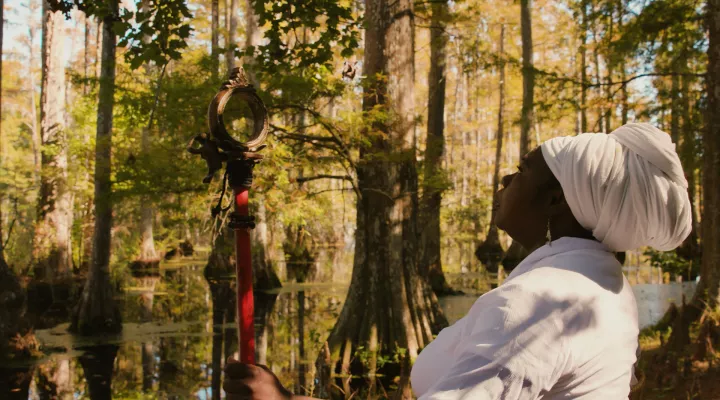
(171, 349)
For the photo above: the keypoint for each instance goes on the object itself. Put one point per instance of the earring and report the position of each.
(548, 236)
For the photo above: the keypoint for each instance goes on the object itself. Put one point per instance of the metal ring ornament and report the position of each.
(238, 85)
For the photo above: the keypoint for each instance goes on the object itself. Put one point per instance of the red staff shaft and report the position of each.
(243, 267)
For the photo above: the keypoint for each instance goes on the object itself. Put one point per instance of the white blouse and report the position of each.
(563, 325)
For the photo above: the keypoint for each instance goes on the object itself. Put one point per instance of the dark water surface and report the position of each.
(171, 347)
(175, 337)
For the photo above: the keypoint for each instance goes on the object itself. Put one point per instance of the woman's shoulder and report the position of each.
(575, 274)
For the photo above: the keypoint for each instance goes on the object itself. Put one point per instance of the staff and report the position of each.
(240, 158)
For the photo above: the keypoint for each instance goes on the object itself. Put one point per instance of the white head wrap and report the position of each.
(627, 187)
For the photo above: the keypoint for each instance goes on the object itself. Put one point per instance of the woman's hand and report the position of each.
(252, 382)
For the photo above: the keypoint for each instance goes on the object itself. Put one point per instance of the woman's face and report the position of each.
(522, 205)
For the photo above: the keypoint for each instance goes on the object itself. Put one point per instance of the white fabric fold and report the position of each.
(562, 326)
(627, 187)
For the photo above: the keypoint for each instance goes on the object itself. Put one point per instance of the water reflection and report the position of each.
(15, 382)
(179, 328)
(97, 364)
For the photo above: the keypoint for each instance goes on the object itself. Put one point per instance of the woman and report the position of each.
(564, 324)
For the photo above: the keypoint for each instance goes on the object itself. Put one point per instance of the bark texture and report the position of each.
(707, 295)
(300, 253)
(690, 249)
(12, 309)
(253, 36)
(214, 39)
(97, 311)
(2, 26)
(52, 250)
(490, 252)
(148, 256)
(583, 67)
(388, 306)
(526, 117)
(710, 272)
(231, 26)
(219, 274)
(263, 268)
(98, 363)
(434, 184)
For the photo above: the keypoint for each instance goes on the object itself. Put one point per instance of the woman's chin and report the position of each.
(499, 223)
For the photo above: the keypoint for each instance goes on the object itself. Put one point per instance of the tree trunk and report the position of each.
(263, 269)
(623, 76)
(624, 95)
(219, 291)
(675, 110)
(710, 271)
(86, 55)
(230, 336)
(690, 248)
(148, 282)
(35, 141)
(97, 363)
(12, 310)
(231, 27)
(253, 35)
(430, 265)
(221, 262)
(148, 255)
(52, 247)
(215, 34)
(2, 26)
(490, 252)
(98, 48)
(264, 311)
(583, 67)
(610, 66)
(54, 380)
(526, 117)
(707, 295)
(301, 384)
(300, 253)
(600, 123)
(97, 311)
(388, 306)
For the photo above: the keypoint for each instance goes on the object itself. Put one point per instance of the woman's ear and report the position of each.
(558, 205)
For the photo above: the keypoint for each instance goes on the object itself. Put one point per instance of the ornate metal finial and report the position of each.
(237, 85)
(218, 146)
(238, 78)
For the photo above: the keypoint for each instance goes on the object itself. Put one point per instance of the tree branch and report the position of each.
(10, 229)
(621, 83)
(330, 190)
(302, 137)
(323, 176)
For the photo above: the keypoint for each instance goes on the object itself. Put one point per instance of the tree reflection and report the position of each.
(147, 279)
(165, 351)
(97, 364)
(15, 382)
(264, 305)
